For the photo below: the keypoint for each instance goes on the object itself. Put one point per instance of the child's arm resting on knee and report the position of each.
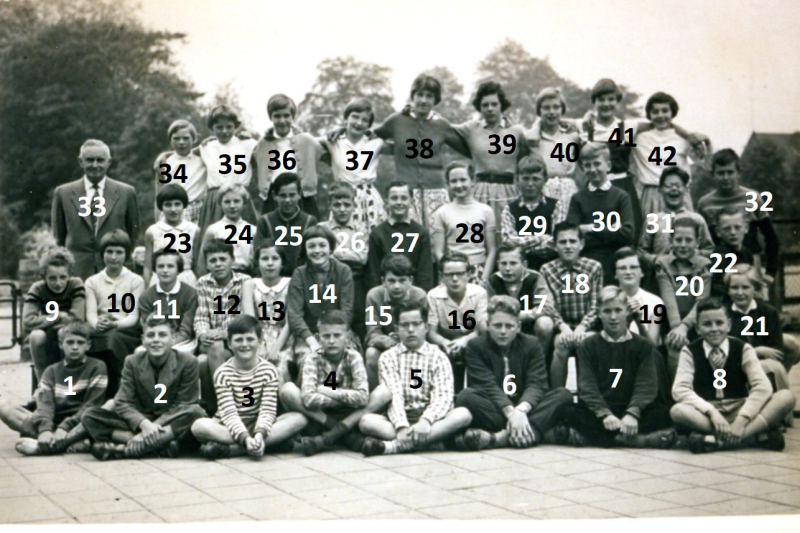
(269, 406)
(683, 386)
(227, 407)
(587, 383)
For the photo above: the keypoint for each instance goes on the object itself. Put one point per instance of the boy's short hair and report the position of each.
(320, 232)
(171, 253)
(624, 253)
(232, 186)
(263, 245)
(426, 82)
(152, 320)
(179, 125)
(283, 179)
(408, 306)
(507, 247)
(360, 105)
(77, 327)
(171, 191)
(223, 112)
(546, 94)
(674, 171)
(728, 211)
(453, 257)
(398, 183)
(341, 190)
(686, 222)
(116, 237)
(57, 256)
(397, 264)
(488, 88)
(561, 227)
(604, 87)
(217, 246)
(749, 272)
(533, 162)
(243, 324)
(712, 304)
(723, 158)
(610, 293)
(503, 304)
(334, 317)
(661, 98)
(458, 164)
(280, 101)
(594, 150)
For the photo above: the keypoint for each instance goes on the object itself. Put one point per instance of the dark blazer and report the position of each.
(137, 390)
(486, 370)
(76, 233)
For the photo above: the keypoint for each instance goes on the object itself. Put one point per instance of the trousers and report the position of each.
(100, 423)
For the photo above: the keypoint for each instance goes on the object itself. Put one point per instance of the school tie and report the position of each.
(717, 358)
(95, 194)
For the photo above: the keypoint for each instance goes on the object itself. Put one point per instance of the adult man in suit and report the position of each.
(88, 208)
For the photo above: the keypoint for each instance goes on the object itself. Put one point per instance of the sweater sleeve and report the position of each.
(347, 294)
(187, 318)
(645, 387)
(683, 386)
(94, 396)
(43, 418)
(295, 306)
(227, 406)
(760, 387)
(268, 409)
(667, 293)
(588, 384)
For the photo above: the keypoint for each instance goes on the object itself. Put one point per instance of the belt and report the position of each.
(506, 178)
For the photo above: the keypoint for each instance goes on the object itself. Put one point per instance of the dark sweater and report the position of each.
(637, 386)
(186, 307)
(736, 382)
(772, 325)
(743, 257)
(600, 245)
(381, 243)
(54, 408)
(304, 316)
(267, 231)
(486, 370)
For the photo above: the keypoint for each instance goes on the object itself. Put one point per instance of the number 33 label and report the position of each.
(86, 209)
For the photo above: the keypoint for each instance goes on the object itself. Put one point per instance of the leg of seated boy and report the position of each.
(558, 367)
(405, 440)
(543, 330)
(208, 363)
(371, 357)
(38, 346)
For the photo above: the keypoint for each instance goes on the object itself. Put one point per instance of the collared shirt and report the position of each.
(508, 226)
(480, 137)
(548, 142)
(174, 290)
(207, 289)
(625, 337)
(435, 395)
(236, 409)
(649, 172)
(652, 245)
(195, 171)
(89, 186)
(243, 249)
(650, 300)
(212, 153)
(100, 287)
(573, 308)
(158, 233)
(352, 240)
(351, 380)
(751, 307)
(606, 185)
(380, 335)
(340, 159)
(440, 305)
(725, 347)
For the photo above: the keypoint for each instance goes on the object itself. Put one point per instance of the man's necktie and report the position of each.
(95, 194)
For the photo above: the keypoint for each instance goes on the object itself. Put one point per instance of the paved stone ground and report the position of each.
(544, 483)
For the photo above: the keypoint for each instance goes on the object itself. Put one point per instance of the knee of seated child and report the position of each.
(786, 397)
(288, 393)
(461, 414)
(382, 394)
(544, 325)
(372, 355)
(38, 336)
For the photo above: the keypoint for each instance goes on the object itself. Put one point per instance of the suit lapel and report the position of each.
(147, 378)
(111, 194)
(168, 373)
(76, 190)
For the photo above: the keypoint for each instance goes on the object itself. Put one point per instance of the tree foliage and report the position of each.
(339, 80)
(80, 75)
(523, 76)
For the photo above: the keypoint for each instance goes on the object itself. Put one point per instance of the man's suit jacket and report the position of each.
(76, 232)
(135, 399)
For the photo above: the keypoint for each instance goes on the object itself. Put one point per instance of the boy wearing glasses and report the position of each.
(420, 380)
(457, 311)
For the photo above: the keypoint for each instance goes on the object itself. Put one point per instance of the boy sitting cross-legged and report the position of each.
(420, 380)
(721, 392)
(65, 391)
(247, 392)
(617, 386)
(334, 394)
(508, 395)
(156, 403)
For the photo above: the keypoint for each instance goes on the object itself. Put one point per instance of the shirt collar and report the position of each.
(604, 187)
(124, 273)
(695, 260)
(432, 115)
(752, 307)
(101, 185)
(531, 207)
(725, 347)
(624, 338)
(174, 290)
(226, 220)
(504, 123)
(405, 220)
(278, 287)
(271, 135)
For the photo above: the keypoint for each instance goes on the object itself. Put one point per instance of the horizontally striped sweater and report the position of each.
(236, 408)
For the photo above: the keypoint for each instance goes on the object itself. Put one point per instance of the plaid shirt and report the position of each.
(351, 381)
(435, 395)
(574, 309)
(207, 289)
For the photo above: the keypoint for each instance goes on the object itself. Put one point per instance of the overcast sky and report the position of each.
(732, 66)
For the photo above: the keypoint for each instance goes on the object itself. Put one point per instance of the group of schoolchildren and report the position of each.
(581, 299)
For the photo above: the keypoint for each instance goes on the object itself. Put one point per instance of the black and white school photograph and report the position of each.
(410, 260)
